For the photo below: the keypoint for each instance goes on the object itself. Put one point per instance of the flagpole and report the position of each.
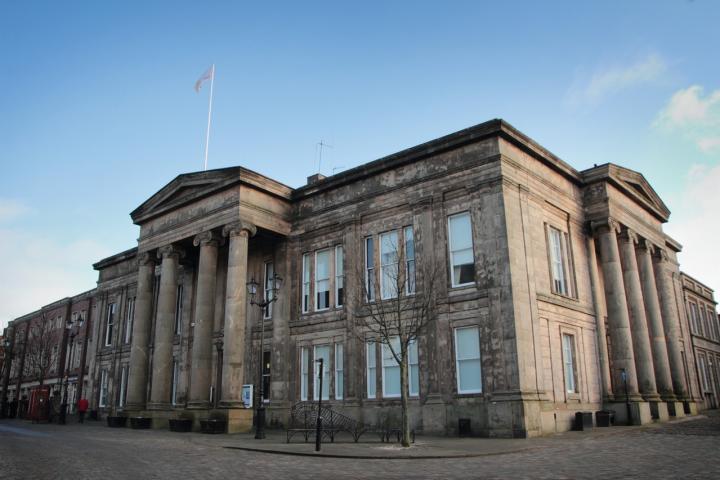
(207, 135)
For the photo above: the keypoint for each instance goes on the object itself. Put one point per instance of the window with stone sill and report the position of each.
(460, 245)
(560, 260)
(569, 363)
(396, 246)
(322, 280)
(109, 324)
(694, 318)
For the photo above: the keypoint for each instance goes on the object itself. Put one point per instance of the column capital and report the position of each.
(171, 250)
(208, 237)
(146, 258)
(646, 244)
(604, 225)
(661, 255)
(630, 236)
(241, 228)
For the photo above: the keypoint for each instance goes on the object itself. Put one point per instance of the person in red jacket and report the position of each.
(82, 408)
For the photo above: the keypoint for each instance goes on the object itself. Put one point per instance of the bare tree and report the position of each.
(394, 306)
(43, 349)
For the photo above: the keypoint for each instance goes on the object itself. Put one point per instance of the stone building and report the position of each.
(559, 292)
(700, 307)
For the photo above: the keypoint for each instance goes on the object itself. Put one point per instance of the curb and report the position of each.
(377, 457)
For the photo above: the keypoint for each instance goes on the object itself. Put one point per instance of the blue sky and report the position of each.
(97, 110)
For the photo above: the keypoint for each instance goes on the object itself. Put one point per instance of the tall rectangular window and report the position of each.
(129, 317)
(321, 351)
(109, 324)
(103, 388)
(179, 310)
(704, 373)
(713, 319)
(370, 269)
(173, 393)
(304, 360)
(391, 369)
(462, 262)
(267, 356)
(557, 261)
(322, 280)
(409, 260)
(339, 372)
(389, 275)
(269, 276)
(123, 385)
(467, 360)
(568, 343)
(306, 283)
(339, 277)
(694, 318)
(371, 370)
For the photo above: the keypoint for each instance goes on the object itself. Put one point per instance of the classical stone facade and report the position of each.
(700, 308)
(559, 292)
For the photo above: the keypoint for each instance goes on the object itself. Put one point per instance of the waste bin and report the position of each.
(583, 421)
(464, 429)
(604, 418)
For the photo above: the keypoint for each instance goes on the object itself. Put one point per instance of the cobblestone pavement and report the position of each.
(687, 449)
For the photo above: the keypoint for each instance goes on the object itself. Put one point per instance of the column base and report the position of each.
(198, 405)
(639, 412)
(659, 411)
(676, 409)
(239, 420)
(159, 406)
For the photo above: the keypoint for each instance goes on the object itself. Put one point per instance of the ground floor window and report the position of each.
(568, 344)
(103, 388)
(321, 351)
(266, 376)
(391, 369)
(123, 386)
(304, 360)
(371, 370)
(173, 397)
(467, 360)
(339, 373)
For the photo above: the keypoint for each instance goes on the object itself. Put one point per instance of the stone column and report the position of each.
(638, 321)
(202, 348)
(137, 377)
(164, 328)
(663, 378)
(671, 322)
(235, 315)
(617, 309)
(600, 313)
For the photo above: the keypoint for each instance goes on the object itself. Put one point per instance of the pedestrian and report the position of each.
(82, 408)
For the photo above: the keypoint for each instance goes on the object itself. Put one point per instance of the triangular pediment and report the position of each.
(190, 187)
(636, 184)
(185, 189)
(633, 184)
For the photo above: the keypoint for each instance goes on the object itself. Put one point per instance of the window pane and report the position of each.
(324, 353)
(371, 370)
(470, 375)
(467, 355)
(389, 250)
(569, 360)
(339, 374)
(369, 268)
(468, 344)
(304, 373)
(460, 232)
(322, 280)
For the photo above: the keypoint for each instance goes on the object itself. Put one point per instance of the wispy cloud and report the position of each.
(694, 115)
(695, 225)
(608, 81)
(11, 209)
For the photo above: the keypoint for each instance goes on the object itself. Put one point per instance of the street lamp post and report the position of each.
(252, 287)
(623, 374)
(63, 405)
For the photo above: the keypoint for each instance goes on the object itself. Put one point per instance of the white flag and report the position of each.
(208, 75)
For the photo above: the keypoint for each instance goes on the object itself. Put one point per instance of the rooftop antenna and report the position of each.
(320, 147)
